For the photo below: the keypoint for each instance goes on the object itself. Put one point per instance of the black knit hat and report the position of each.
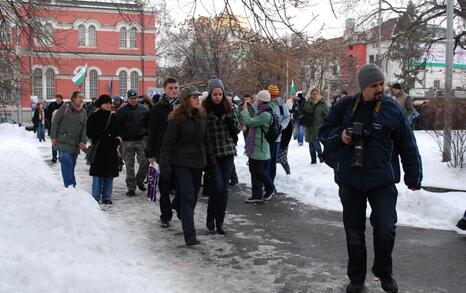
(103, 99)
(396, 86)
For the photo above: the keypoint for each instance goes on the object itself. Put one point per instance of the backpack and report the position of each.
(275, 127)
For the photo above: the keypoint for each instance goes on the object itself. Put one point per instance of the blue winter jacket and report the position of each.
(390, 137)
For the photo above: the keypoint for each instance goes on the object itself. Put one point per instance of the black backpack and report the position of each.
(275, 127)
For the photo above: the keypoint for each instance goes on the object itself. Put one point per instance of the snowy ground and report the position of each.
(58, 240)
(314, 184)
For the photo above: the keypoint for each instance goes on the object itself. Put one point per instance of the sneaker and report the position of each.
(461, 224)
(165, 224)
(253, 199)
(355, 287)
(389, 285)
(192, 242)
(107, 201)
(131, 193)
(142, 187)
(268, 195)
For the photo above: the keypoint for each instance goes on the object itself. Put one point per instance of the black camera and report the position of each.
(357, 134)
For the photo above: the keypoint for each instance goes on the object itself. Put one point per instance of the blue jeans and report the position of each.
(383, 219)
(189, 183)
(314, 147)
(68, 163)
(102, 186)
(272, 163)
(260, 177)
(41, 131)
(218, 200)
(299, 131)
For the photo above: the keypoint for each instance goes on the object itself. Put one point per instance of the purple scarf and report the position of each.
(252, 131)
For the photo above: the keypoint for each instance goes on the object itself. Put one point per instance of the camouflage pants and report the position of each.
(130, 150)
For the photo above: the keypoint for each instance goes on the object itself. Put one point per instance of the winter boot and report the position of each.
(461, 224)
(355, 287)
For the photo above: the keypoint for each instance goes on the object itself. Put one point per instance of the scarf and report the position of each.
(252, 131)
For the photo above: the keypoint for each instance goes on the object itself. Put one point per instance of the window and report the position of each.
(437, 84)
(123, 77)
(37, 83)
(134, 80)
(371, 59)
(93, 83)
(50, 83)
(132, 38)
(92, 39)
(81, 35)
(5, 32)
(123, 37)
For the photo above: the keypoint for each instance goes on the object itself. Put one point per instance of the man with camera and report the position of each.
(367, 132)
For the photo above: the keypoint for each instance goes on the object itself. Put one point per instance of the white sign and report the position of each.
(437, 54)
(151, 91)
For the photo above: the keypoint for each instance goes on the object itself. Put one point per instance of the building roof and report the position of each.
(104, 4)
(387, 29)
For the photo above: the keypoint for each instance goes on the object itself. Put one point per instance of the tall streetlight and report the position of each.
(447, 119)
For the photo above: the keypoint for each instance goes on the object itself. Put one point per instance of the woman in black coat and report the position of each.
(186, 147)
(105, 166)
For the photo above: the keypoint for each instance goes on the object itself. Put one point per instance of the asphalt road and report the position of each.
(280, 246)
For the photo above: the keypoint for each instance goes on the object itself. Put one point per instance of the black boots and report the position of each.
(389, 285)
(355, 287)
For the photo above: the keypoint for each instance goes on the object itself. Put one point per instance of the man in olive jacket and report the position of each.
(68, 135)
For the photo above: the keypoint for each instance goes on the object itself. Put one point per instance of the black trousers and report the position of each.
(383, 219)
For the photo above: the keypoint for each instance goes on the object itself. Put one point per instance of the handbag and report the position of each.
(91, 151)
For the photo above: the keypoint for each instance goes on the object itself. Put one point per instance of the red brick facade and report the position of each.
(93, 35)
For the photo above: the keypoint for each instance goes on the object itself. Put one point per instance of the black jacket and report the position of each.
(49, 112)
(106, 161)
(158, 126)
(133, 122)
(187, 145)
(389, 137)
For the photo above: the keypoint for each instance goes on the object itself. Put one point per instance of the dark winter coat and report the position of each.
(134, 121)
(297, 107)
(36, 118)
(106, 160)
(221, 131)
(158, 126)
(69, 128)
(186, 144)
(286, 136)
(49, 112)
(390, 137)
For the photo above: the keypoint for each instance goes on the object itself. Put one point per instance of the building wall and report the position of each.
(107, 57)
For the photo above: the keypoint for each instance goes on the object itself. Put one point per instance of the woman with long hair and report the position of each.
(186, 147)
(39, 120)
(103, 129)
(222, 125)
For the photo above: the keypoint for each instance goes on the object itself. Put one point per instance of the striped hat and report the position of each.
(273, 90)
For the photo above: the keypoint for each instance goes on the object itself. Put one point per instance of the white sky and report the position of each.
(332, 27)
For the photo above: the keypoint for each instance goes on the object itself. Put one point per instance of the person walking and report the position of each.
(187, 149)
(313, 114)
(281, 110)
(368, 132)
(405, 102)
(39, 120)
(222, 126)
(298, 104)
(134, 119)
(257, 147)
(102, 129)
(157, 128)
(51, 108)
(68, 135)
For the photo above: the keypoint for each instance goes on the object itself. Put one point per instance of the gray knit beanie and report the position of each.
(214, 82)
(188, 91)
(369, 74)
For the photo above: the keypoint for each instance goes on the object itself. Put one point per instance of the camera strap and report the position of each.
(376, 111)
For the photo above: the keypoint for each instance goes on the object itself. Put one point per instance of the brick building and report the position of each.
(116, 39)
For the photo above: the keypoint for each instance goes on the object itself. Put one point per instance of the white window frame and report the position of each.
(49, 83)
(81, 35)
(120, 90)
(93, 84)
(92, 36)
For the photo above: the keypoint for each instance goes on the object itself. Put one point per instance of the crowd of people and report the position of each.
(189, 133)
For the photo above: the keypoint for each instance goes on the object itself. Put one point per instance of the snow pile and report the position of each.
(314, 184)
(54, 239)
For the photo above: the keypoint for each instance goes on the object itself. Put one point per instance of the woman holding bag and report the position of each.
(102, 129)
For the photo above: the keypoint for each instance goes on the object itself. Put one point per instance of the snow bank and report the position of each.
(314, 185)
(54, 239)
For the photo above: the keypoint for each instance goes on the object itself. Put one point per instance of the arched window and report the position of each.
(132, 38)
(92, 38)
(50, 83)
(81, 35)
(123, 37)
(48, 40)
(37, 83)
(93, 84)
(134, 80)
(123, 77)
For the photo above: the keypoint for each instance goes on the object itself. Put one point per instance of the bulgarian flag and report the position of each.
(292, 89)
(79, 78)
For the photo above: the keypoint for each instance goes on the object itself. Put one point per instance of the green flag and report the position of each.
(292, 89)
